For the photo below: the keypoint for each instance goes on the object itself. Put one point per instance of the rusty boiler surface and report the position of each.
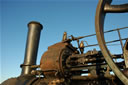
(51, 60)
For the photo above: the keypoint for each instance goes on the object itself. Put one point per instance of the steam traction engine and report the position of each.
(64, 64)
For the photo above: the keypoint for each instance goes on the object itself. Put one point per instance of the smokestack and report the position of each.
(33, 37)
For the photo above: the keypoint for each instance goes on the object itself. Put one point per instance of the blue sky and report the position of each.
(76, 17)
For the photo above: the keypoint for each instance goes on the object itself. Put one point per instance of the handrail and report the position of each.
(104, 32)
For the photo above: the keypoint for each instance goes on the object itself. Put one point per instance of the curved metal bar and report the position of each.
(116, 8)
(99, 23)
(126, 53)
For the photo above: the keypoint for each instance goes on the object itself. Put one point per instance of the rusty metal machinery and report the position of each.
(65, 64)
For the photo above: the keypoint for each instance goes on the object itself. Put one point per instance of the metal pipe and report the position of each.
(120, 39)
(116, 8)
(34, 29)
(106, 42)
(76, 38)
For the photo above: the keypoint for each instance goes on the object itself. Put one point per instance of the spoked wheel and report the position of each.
(103, 8)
